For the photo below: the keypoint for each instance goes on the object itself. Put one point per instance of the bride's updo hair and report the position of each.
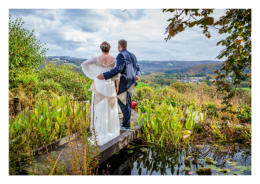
(105, 47)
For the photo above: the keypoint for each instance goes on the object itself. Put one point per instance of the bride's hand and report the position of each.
(101, 76)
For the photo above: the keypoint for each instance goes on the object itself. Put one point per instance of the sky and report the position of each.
(79, 32)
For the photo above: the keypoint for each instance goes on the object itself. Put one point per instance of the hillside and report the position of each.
(203, 69)
(172, 66)
(66, 60)
(148, 67)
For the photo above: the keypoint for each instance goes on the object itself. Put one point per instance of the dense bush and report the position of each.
(182, 87)
(244, 114)
(60, 80)
(211, 109)
(71, 82)
(51, 85)
(144, 93)
(26, 53)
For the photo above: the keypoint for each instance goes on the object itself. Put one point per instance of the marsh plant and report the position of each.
(166, 124)
(48, 121)
(179, 113)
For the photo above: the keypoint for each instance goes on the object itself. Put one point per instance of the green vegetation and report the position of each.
(236, 24)
(166, 124)
(180, 113)
(47, 82)
(54, 103)
(26, 53)
(204, 171)
(48, 121)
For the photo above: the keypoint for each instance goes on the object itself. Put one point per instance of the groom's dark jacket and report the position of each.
(127, 66)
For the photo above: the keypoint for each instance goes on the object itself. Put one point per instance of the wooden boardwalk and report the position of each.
(66, 150)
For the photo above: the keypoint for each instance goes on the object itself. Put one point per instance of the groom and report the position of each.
(129, 69)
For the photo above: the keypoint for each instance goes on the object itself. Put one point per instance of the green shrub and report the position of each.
(29, 82)
(211, 109)
(141, 85)
(72, 83)
(51, 85)
(27, 79)
(144, 93)
(182, 87)
(26, 53)
(244, 114)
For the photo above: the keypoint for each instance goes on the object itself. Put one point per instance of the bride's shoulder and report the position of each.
(113, 61)
(92, 59)
(95, 58)
(113, 58)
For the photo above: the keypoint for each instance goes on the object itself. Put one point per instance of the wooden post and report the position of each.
(17, 106)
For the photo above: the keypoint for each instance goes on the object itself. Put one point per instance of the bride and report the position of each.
(104, 107)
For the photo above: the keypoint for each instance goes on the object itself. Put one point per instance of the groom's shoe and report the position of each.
(122, 127)
(125, 128)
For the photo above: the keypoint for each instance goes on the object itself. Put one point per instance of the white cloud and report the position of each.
(79, 33)
(77, 36)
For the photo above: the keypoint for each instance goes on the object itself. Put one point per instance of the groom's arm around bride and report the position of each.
(128, 68)
(126, 65)
(120, 64)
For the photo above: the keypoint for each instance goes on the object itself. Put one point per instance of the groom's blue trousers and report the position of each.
(126, 110)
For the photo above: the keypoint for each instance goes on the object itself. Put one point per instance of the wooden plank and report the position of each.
(52, 146)
(105, 151)
(118, 143)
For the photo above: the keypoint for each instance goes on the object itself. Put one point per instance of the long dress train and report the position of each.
(104, 106)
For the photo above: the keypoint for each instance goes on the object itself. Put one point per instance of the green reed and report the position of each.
(49, 120)
(164, 124)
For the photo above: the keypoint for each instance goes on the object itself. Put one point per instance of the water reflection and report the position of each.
(139, 159)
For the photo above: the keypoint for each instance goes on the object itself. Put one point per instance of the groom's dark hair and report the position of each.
(123, 43)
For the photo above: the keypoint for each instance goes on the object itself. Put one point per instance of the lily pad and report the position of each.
(210, 161)
(243, 168)
(223, 170)
(232, 163)
(204, 171)
(212, 167)
(187, 169)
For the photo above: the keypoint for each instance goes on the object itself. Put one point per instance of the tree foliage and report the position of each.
(26, 53)
(236, 24)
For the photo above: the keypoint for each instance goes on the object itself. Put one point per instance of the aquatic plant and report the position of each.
(48, 121)
(204, 171)
(165, 124)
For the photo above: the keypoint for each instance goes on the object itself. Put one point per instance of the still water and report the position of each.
(139, 159)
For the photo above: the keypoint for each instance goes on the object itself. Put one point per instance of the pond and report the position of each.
(200, 159)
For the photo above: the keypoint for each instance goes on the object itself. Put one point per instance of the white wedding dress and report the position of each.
(104, 106)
